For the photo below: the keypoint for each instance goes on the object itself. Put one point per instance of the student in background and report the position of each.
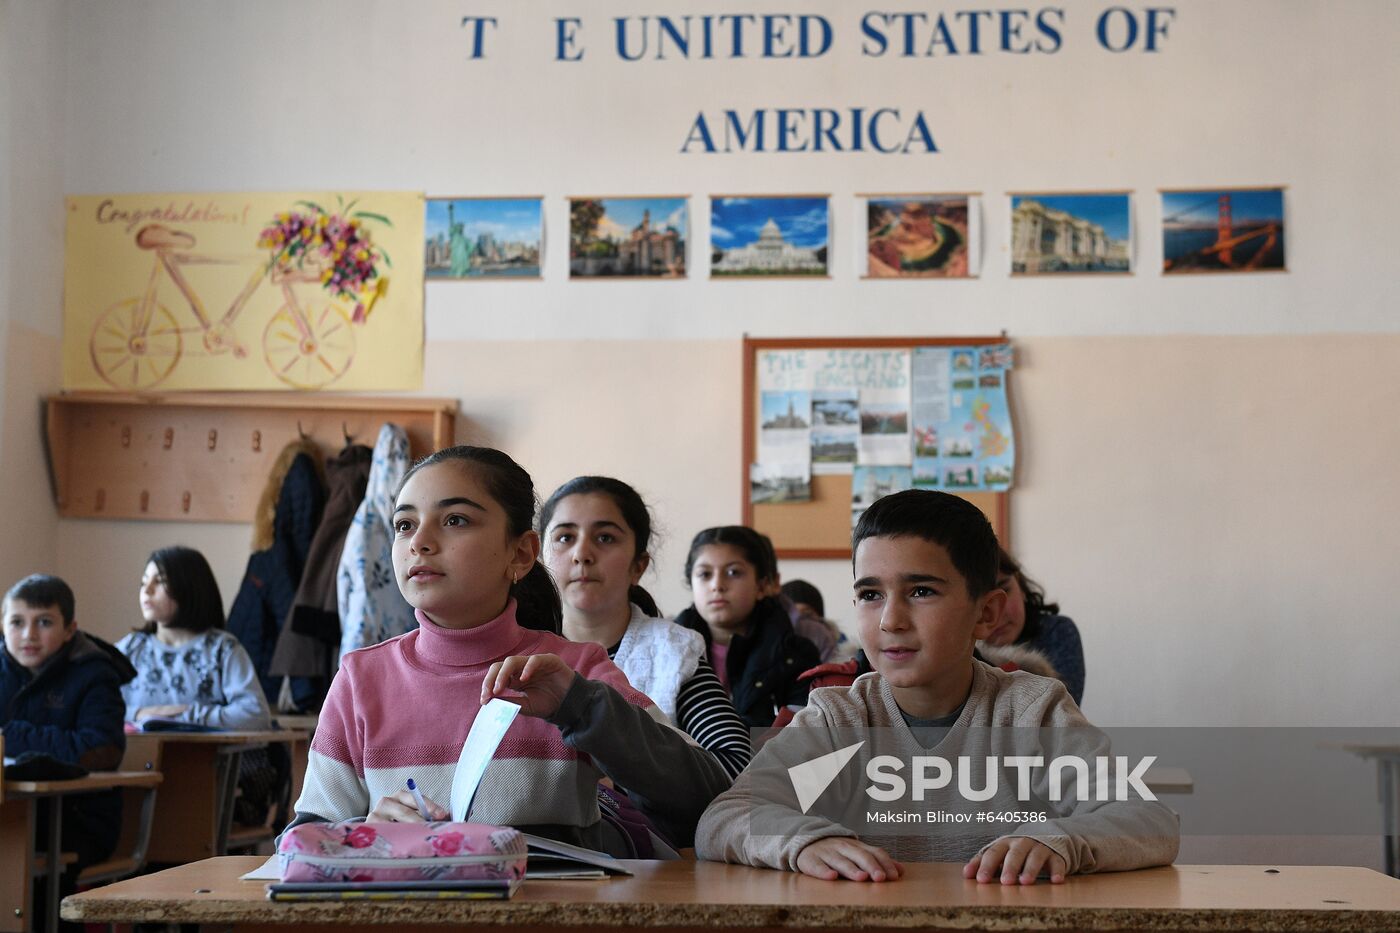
(1028, 621)
(189, 668)
(465, 555)
(596, 532)
(925, 567)
(808, 613)
(60, 695)
(747, 633)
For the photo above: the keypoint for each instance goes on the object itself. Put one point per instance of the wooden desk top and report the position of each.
(1390, 752)
(707, 895)
(97, 780)
(226, 738)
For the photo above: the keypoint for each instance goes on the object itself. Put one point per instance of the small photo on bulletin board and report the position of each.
(830, 423)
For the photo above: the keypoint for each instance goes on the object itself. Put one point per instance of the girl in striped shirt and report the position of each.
(597, 531)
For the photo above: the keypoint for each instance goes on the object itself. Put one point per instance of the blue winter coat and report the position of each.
(71, 708)
(265, 597)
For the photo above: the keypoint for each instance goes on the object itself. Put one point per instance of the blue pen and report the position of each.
(418, 799)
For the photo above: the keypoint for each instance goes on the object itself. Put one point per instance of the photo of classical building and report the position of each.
(1069, 233)
(768, 236)
(627, 237)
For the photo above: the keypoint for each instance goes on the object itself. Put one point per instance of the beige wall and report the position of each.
(1211, 510)
(31, 269)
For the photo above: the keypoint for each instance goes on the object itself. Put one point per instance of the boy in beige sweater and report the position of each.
(999, 770)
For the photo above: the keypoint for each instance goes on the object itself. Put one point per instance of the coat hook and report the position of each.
(300, 433)
(145, 500)
(169, 438)
(213, 438)
(349, 438)
(126, 435)
(257, 441)
(185, 502)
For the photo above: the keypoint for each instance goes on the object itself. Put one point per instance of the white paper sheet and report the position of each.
(271, 870)
(482, 741)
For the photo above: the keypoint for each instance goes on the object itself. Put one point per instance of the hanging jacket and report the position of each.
(283, 530)
(309, 641)
(764, 664)
(371, 607)
(71, 708)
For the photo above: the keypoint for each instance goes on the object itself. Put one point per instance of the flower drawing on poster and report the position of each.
(336, 248)
(242, 291)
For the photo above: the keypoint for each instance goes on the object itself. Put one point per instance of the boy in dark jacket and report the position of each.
(60, 694)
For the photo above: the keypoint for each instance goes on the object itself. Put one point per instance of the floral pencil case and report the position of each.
(339, 852)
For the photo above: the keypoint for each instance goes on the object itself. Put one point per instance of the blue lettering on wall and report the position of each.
(1042, 23)
(1157, 20)
(731, 35)
(1129, 29)
(566, 33)
(820, 129)
(928, 35)
(873, 35)
(478, 24)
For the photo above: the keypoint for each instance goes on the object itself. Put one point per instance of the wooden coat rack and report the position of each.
(204, 457)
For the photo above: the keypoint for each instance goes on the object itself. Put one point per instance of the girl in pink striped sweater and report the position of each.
(465, 555)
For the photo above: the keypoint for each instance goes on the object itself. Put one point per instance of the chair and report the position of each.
(138, 815)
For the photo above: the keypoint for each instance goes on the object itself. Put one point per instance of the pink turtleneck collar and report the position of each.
(468, 647)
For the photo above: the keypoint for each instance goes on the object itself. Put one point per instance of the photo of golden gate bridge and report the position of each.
(1227, 230)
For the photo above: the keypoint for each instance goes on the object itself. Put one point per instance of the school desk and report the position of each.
(300, 748)
(194, 812)
(1387, 759)
(19, 863)
(705, 896)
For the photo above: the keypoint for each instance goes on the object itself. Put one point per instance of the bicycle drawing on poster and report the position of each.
(326, 264)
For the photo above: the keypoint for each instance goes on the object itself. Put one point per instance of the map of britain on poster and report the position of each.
(320, 290)
(962, 424)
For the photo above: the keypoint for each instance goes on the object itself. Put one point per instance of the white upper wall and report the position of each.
(31, 273)
(168, 95)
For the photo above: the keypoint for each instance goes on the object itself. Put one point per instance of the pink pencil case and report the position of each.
(315, 852)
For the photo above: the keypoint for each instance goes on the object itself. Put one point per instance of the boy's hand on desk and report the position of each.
(842, 857)
(148, 712)
(400, 807)
(537, 682)
(1016, 860)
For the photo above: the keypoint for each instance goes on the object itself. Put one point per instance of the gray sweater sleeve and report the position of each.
(671, 779)
(244, 705)
(759, 821)
(1089, 834)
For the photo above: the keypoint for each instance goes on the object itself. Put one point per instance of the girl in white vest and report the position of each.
(596, 533)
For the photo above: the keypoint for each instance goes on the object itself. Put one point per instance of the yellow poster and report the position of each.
(321, 290)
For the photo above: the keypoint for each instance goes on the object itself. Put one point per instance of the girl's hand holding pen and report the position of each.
(536, 682)
(400, 807)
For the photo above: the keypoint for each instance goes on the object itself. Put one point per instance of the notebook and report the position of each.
(496, 889)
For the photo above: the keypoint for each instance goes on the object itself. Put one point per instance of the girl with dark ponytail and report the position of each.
(597, 535)
(466, 558)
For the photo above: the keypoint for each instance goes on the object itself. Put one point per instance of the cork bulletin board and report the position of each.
(821, 528)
